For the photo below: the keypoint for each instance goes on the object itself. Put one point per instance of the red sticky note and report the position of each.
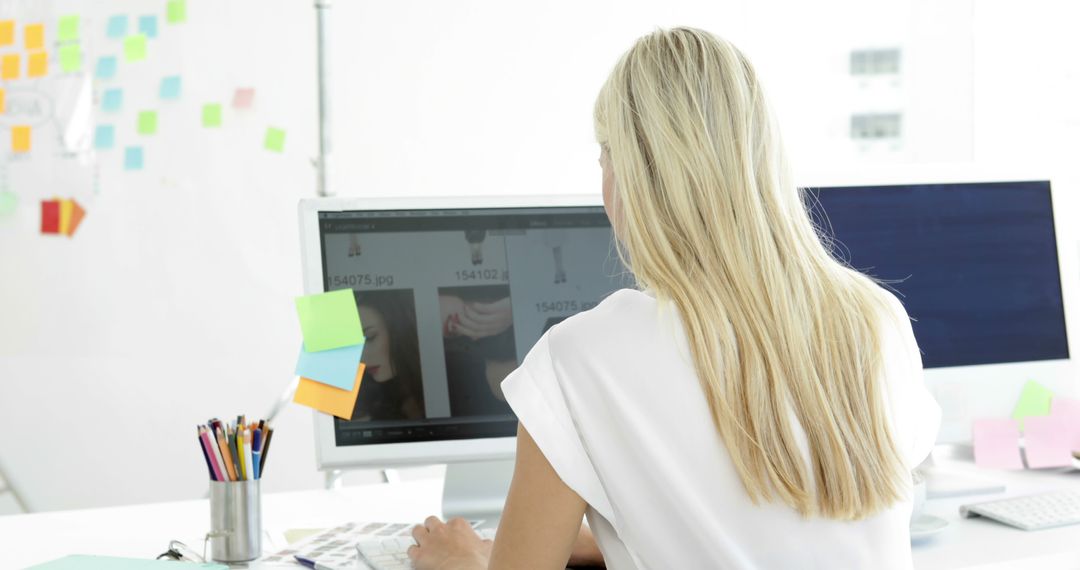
(1069, 410)
(997, 444)
(50, 216)
(243, 98)
(1046, 442)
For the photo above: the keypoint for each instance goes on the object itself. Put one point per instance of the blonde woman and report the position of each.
(755, 404)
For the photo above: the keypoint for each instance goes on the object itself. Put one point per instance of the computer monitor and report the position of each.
(452, 294)
(979, 267)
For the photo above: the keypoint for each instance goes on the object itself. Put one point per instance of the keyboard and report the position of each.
(391, 552)
(1033, 512)
(359, 545)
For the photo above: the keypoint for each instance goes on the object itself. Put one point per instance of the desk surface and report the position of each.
(145, 530)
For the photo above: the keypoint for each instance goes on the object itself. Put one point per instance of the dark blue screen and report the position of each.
(975, 264)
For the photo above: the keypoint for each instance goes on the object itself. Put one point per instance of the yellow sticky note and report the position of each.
(34, 36)
(66, 208)
(9, 66)
(328, 399)
(20, 139)
(3, 100)
(38, 64)
(7, 32)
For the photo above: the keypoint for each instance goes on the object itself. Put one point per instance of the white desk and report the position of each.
(145, 530)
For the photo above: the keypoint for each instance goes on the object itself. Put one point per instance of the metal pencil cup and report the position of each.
(235, 521)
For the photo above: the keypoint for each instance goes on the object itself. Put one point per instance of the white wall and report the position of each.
(173, 302)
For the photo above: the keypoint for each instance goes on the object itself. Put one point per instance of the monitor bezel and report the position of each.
(400, 454)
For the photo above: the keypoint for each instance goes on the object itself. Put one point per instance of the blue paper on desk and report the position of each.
(335, 367)
(82, 562)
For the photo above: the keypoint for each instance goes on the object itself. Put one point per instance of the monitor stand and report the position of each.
(477, 490)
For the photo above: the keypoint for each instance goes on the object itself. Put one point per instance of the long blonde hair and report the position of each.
(710, 220)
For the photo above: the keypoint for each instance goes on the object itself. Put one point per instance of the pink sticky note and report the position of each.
(243, 98)
(997, 444)
(1068, 410)
(1046, 442)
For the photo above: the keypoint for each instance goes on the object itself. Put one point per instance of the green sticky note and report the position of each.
(135, 47)
(329, 320)
(8, 202)
(68, 29)
(275, 139)
(1034, 401)
(211, 115)
(71, 58)
(176, 11)
(147, 122)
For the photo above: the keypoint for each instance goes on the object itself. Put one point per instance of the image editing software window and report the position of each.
(451, 301)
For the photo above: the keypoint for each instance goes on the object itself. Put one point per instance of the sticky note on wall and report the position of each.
(9, 66)
(148, 25)
(135, 47)
(133, 158)
(7, 32)
(117, 26)
(37, 64)
(211, 115)
(243, 98)
(147, 122)
(328, 399)
(50, 216)
(329, 320)
(112, 100)
(274, 140)
(104, 137)
(20, 138)
(106, 67)
(68, 28)
(34, 36)
(71, 58)
(170, 87)
(176, 11)
(3, 100)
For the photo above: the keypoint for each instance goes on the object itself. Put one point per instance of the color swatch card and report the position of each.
(329, 320)
(997, 444)
(328, 399)
(61, 217)
(336, 367)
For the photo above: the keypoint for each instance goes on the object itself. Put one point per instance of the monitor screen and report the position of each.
(976, 265)
(451, 301)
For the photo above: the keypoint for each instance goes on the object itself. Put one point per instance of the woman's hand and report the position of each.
(453, 545)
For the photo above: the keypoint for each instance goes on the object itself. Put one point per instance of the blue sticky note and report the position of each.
(116, 27)
(170, 87)
(133, 158)
(104, 135)
(112, 100)
(106, 67)
(335, 367)
(148, 26)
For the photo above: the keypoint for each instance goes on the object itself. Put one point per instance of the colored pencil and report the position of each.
(206, 456)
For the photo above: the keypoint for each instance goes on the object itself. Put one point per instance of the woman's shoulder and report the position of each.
(619, 321)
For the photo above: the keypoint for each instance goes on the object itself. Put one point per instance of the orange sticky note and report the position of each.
(20, 139)
(9, 66)
(328, 399)
(3, 100)
(77, 215)
(7, 32)
(38, 64)
(34, 36)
